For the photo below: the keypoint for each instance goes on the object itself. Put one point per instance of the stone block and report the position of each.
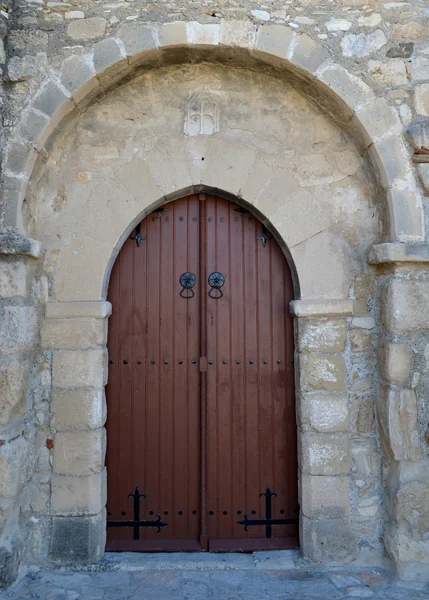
(15, 466)
(308, 55)
(397, 423)
(32, 125)
(394, 361)
(173, 34)
(361, 341)
(410, 505)
(73, 333)
(10, 559)
(137, 38)
(392, 73)
(79, 368)
(78, 76)
(79, 452)
(392, 159)
(13, 280)
(321, 335)
(16, 156)
(365, 457)
(78, 409)
(375, 121)
(237, 33)
(423, 172)
(202, 33)
(327, 540)
(107, 53)
(404, 305)
(410, 556)
(275, 40)
(78, 540)
(352, 90)
(325, 497)
(18, 329)
(321, 308)
(87, 29)
(324, 413)
(69, 310)
(322, 454)
(13, 385)
(365, 416)
(406, 215)
(421, 100)
(12, 244)
(322, 372)
(79, 495)
(50, 99)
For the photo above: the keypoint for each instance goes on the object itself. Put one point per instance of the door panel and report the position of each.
(251, 417)
(156, 402)
(153, 400)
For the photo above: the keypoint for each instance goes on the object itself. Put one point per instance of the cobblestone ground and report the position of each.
(261, 576)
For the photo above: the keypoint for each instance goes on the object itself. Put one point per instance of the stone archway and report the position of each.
(78, 266)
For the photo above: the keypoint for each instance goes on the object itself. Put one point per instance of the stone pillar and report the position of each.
(76, 333)
(323, 437)
(18, 333)
(402, 405)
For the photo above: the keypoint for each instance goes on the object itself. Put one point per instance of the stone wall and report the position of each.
(330, 191)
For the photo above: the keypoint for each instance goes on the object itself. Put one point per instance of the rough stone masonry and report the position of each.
(322, 129)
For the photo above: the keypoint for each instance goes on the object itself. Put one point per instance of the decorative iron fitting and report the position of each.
(137, 235)
(136, 523)
(268, 522)
(187, 281)
(216, 281)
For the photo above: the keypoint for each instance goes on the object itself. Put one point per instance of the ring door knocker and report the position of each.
(187, 281)
(216, 281)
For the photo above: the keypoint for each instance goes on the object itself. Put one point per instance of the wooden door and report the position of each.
(201, 409)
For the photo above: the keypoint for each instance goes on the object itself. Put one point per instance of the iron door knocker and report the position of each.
(216, 281)
(187, 281)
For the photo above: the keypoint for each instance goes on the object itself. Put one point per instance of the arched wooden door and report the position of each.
(201, 407)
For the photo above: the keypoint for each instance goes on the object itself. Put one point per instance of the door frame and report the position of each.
(323, 485)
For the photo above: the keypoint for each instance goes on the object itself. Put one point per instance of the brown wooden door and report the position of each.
(201, 409)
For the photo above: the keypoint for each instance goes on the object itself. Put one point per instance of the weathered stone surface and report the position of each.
(78, 540)
(360, 341)
(323, 454)
(10, 558)
(318, 543)
(18, 329)
(395, 361)
(422, 99)
(410, 505)
(321, 335)
(325, 497)
(87, 29)
(409, 556)
(106, 53)
(78, 409)
(397, 421)
(363, 44)
(322, 372)
(79, 453)
(404, 305)
(325, 413)
(393, 73)
(13, 280)
(13, 384)
(365, 416)
(79, 495)
(402, 50)
(15, 466)
(136, 38)
(50, 99)
(73, 333)
(79, 368)
(14, 245)
(366, 457)
(83, 310)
